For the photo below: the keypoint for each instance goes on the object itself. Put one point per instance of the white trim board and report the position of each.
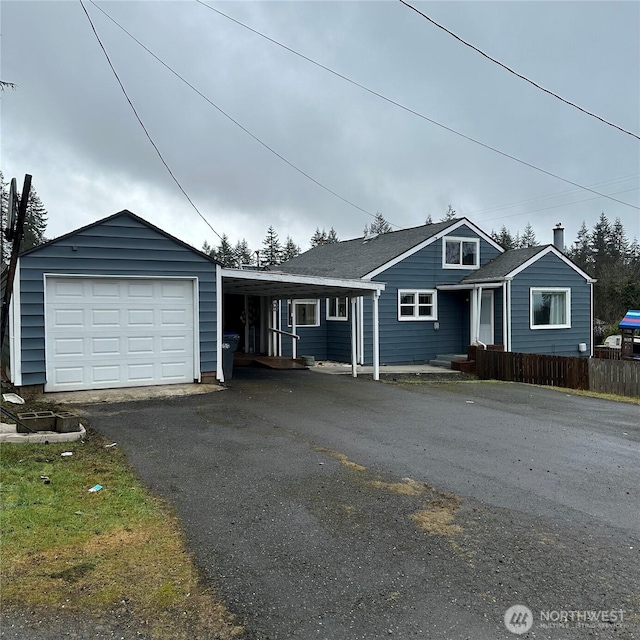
(431, 240)
(15, 331)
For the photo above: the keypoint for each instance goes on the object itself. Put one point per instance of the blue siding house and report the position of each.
(447, 285)
(119, 303)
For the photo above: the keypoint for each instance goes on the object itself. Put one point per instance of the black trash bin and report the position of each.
(229, 347)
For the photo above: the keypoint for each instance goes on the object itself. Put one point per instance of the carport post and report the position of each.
(294, 342)
(376, 337)
(354, 365)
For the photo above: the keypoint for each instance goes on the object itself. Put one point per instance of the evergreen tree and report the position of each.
(6, 245)
(528, 238)
(291, 249)
(225, 253)
(449, 215)
(580, 251)
(365, 231)
(619, 242)
(332, 236)
(503, 238)
(208, 249)
(35, 223)
(319, 237)
(379, 225)
(272, 250)
(601, 246)
(243, 254)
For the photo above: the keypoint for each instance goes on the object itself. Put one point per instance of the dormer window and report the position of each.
(460, 253)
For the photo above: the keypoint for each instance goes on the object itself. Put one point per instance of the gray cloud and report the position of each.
(69, 125)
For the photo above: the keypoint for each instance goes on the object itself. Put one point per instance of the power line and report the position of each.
(555, 206)
(164, 162)
(557, 194)
(416, 113)
(515, 73)
(238, 124)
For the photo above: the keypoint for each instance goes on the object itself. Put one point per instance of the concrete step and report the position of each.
(445, 360)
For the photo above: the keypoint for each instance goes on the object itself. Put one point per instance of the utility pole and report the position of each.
(14, 233)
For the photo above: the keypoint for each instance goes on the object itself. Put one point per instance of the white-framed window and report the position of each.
(417, 304)
(549, 308)
(460, 253)
(337, 309)
(307, 313)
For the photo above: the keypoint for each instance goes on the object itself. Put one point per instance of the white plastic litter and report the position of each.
(13, 397)
(66, 454)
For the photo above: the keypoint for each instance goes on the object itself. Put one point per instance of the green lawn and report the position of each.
(64, 546)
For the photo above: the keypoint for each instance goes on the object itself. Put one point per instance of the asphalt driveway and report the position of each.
(327, 507)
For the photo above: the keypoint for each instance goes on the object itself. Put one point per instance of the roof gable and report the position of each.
(115, 216)
(512, 262)
(366, 257)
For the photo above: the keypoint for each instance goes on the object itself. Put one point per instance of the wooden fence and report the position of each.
(615, 376)
(606, 353)
(621, 377)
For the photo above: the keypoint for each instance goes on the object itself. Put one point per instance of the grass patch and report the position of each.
(594, 394)
(408, 486)
(95, 552)
(354, 466)
(437, 518)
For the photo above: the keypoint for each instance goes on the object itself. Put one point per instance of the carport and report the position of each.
(272, 287)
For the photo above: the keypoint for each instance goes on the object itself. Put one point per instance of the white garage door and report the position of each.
(103, 333)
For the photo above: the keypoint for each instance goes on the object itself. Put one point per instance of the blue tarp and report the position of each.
(631, 320)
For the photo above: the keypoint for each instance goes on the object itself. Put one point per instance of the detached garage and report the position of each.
(119, 303)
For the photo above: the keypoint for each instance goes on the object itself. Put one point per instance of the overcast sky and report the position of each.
(69, 125)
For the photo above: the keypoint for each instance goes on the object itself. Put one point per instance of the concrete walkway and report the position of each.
(340, 368)
(129, 394)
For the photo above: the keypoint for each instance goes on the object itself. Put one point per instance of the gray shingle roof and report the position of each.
(355, 258)
(504, 264)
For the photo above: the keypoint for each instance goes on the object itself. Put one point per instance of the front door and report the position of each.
(486, 333)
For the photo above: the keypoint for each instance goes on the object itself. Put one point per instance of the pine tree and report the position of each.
(503, 238)
(208, 249)
(601, 245)
(332, 236)
(6, 245)
(35, 222)
(619, 242)
(243, 254)
(319, 237)
(272, 250)
(449, 215)
(580, 251)
(379, 225)
(224, 253)
(528, 237)
(291, 249)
